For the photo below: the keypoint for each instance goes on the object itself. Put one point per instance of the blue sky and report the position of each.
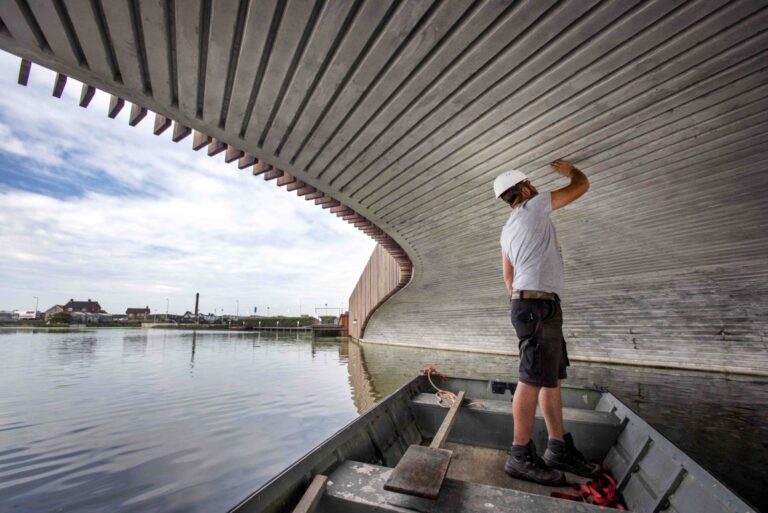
(93, 208)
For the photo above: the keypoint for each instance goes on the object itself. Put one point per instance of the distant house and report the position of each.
(82, 306)
(137, 313)
(27, 315)
(53, 311)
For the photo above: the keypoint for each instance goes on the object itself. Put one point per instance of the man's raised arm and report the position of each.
(578, 186)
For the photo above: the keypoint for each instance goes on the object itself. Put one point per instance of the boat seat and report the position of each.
(491, 425)
(356, 487)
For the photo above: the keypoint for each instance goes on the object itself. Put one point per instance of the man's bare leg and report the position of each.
(524, 412)
(552, 407)
(523, 461)
(560, 453)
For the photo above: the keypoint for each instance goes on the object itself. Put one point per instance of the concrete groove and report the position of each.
(138, 38)
(373, 43)
(169, 16)
(266, 53)
(532, 50)
(398, 59)
(477, 24)
(465, 63)
(202, 54)
(101, 23)
(33, 25)
(310, 91)
(298, 53)
(234, 57)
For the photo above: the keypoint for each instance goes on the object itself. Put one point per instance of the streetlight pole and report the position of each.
(167, 306)
(238, 308)
(37, 300)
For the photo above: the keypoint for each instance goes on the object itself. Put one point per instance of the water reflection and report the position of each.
(135, 343)
(136, 430)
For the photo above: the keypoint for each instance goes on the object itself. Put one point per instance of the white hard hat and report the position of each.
(506, 180)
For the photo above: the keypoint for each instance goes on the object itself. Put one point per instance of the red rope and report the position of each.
(600, 491)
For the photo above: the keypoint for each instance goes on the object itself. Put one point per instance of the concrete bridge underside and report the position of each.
(405, 112)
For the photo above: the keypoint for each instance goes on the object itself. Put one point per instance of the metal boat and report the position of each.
(350, 470)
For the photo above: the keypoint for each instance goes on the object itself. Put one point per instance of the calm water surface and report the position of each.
(149, 420)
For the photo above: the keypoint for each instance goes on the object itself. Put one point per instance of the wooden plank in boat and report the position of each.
(442, 434)
(312, 496)
(420, 472)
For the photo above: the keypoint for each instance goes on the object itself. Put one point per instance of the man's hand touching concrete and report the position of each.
(578, 186)
(563, 167)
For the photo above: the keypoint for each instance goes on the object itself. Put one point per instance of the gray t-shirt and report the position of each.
(528, 239)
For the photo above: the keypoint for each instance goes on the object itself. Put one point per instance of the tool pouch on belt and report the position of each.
(527, 323)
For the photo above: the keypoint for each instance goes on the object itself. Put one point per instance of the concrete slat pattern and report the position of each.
(403, 112)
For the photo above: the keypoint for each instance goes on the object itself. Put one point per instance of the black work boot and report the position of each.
(565, 456)
(526, 464)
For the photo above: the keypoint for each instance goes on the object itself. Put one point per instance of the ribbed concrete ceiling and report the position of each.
(405, 111)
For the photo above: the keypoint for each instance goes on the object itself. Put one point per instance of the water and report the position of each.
(149, 420)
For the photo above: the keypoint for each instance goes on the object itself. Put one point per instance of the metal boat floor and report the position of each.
(356, 487)
(486, 466)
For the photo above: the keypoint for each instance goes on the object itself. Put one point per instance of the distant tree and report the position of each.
(327, 319)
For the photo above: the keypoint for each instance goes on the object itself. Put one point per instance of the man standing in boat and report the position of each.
(533, 273)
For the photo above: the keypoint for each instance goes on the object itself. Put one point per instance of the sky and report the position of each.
(92, 208)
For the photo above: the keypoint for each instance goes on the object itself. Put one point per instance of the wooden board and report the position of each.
(420, 472)
(312, 496)
(442, 434)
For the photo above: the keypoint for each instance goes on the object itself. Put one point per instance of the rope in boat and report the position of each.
(444, 395)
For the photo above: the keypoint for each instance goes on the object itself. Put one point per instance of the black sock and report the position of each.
(555, 443)
(519, 450)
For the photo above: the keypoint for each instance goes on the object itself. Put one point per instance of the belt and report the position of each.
(533, 294)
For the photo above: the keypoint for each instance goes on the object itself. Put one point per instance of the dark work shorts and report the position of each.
(539, 326)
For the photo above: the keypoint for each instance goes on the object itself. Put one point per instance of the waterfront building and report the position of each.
(137, 313)
(82, 306)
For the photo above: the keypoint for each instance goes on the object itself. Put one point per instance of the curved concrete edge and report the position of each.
(260, 167)
(725, 369)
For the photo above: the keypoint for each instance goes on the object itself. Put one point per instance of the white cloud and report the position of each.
(197, 224)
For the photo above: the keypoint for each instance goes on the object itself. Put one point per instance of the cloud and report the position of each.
(93, 208)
